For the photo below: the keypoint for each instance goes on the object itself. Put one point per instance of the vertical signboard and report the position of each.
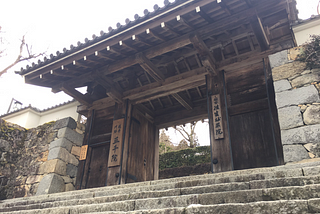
(217, 117)
(116, 143)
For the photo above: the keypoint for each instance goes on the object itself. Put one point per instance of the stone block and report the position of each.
(34, 179)
(278, 59)
(69, 187)
(5, 145)
(62, 154)
(305, 79)
(288, 70)
(290, 117)
(76, 150)
(61, 142)
(65, 122)
(71, 135)
(72, 170)
(301, 135)
(67, 179)
(308, 94)
(53, 166)
(312, 115)
(281, 85)
(51, 183)
(293, 153)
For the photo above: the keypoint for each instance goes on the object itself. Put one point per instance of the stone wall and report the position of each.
(298, 103)
(31, 158)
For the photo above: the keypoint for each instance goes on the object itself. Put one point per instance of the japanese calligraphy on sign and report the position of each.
(217, 117)
(83, 152)
(116, 143)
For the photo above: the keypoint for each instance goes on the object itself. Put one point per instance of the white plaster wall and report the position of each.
(302, 32)
(32, 120)
(69, 110)
(20, 118)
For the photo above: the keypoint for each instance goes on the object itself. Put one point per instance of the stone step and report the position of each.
(226, 177)
(289, 175)
(155, 202)
(208, 186)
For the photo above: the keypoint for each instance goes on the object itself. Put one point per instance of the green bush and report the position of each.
(185, 157)
(311, 52)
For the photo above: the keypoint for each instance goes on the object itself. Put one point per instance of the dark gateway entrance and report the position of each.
(187, 61)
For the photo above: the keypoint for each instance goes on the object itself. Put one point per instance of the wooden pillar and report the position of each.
(219, 135)
(118, 144)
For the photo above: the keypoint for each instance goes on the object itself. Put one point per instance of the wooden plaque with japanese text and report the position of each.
(116, 143)
(217, 117)
(83, 152)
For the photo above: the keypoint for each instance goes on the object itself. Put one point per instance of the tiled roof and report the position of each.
(303, 21)
(38, 110)
(103, 35)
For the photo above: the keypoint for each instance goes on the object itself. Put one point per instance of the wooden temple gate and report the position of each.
(188, 61)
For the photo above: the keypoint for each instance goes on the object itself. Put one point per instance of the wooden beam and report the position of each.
(112, 90)
(225, 7)
(124, 44)
(169, 86)
(203, 15)
(235, 47)
(102, 55)
(79, 64)
(186, 103)
(76, 95)
(170, 29)
(184, 22)
(138, 39)
(205, 32)
(205, 55)
(181, 116)
(154, 34)
(260, 33)
(149, 67)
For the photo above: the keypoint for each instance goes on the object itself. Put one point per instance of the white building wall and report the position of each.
(302, 32)
(69, 110)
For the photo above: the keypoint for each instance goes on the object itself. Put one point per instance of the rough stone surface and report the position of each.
(67, 179)
(65, 122)
(305, 79)
(69, 187)
(71, 135)
(281, 85)
(288, 70)
(312, 115)
(53, 166)
(34, 179)
(290, 117)
(278, 59)
(308, 94)
(76, 150)
(5, 145)
(301, 135)
(294, 153)
(51, 183)
(72, 170)
(61, 142)
(62, 154)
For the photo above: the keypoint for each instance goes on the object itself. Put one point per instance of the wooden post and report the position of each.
(219, 134)
(119, 130)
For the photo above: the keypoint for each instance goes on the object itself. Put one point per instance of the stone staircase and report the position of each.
(285, 189)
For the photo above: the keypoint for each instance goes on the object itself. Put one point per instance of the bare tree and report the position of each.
(189, 133)
(21, 55)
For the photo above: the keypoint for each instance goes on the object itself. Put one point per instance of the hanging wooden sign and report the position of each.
(116, 143)
(83, 152)
(217, 117)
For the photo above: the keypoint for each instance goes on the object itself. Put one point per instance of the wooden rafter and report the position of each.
(79, 64)
(102, 55)
(186, 103)
(259, 32)
(225, 7)
(139, 39)
(203, 15)
(149, 67)
(182, 21)
(112, 90)
(154, 34)
(170, 29)
(124, 44)
(76, 95)
(205, 55)
(167, 87)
